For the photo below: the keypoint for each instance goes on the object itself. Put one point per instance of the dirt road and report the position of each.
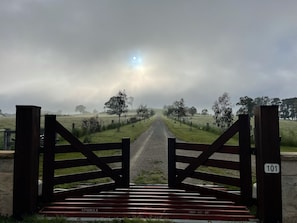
(149, 151)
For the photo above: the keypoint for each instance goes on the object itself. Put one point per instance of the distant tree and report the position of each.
(152, 112)
(90, 125)
(192, 110)
(168, 110)
(275, 101)
(142, 111)
(81, 109)
(179, 108)
(264, 100)
(247, 106)
(204, 111)
(223, 111)
(117, 105)
(288, 108)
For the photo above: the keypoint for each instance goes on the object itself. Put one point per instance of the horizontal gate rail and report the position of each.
(205, 167)
(88, 164)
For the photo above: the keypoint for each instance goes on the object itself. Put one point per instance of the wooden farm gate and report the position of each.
(114, 197)
(92, 170)
(198, 166)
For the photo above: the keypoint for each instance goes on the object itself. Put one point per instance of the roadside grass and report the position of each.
(187, 133)
(155, 176)
(184, 132)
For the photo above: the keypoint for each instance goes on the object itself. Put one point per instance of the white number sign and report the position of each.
(271, 168)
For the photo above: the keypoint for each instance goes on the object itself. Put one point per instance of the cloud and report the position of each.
(58, 54)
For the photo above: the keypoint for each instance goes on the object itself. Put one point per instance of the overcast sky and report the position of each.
(58, 54)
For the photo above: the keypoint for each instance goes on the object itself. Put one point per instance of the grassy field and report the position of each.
(288, 131)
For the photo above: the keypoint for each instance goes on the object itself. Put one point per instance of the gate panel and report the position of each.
(106, 167)
(196, 166)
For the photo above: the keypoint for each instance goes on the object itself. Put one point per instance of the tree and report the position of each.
(168, 110)
(204, 111)
(81, 109)
(247, 106)
(192, 110)
(223, 111)
(117, 105)
(179, 108)
(288, 108)
(143, 111)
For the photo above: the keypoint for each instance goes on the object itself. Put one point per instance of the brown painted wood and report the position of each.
(87, 152)
(26, 160)
(204, 156)
(225, 164)
(149, 202)
(202, 147)
(269, 191)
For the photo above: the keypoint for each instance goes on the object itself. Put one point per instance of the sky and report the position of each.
(58, 54)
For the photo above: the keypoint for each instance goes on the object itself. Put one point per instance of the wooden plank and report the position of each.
(92, 147)
(202, 158)
(87, 152)
(84, 190)
(60, 164)
(202, 147)
(217, 178)
(232, 165)
(210, 191)
(82, 176)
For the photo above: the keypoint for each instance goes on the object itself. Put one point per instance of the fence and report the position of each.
(7, 139)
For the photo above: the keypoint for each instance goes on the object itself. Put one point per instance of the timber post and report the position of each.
(171, 163)
(26, 163)
(126, 162)
(49, 157)
(268, 162)
(245, 160)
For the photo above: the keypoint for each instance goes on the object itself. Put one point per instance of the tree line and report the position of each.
(223, 112)
(287, 107)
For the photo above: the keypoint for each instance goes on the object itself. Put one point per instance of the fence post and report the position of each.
(171, 163)
(245, 160)
(48, 157)
(26, 161)
(126, 162)
(268, 164)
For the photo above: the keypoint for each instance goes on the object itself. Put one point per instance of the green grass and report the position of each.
(154, 176)
(288, 132)
(186, 133)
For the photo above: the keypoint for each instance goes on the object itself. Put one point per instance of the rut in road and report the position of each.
(149, 151)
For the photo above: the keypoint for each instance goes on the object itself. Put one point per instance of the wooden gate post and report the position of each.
(171, 163)
(245, 160)
(26, 161)
(49, 157)
(126, 162)
(268, 162)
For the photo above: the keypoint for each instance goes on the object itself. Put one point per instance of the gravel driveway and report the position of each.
(149, 151)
